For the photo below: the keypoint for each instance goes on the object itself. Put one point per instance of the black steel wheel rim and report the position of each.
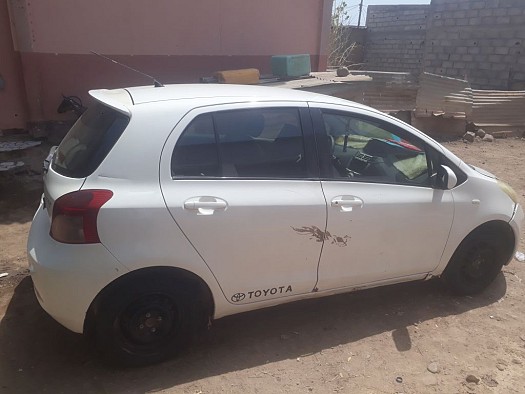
(148, 321)
(479, 262)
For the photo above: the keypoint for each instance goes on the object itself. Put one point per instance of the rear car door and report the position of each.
(241, 181)
(385, 220)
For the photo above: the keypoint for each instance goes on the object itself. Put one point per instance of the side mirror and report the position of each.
(446, 178)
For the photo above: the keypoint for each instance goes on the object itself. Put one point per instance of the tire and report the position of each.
(145, 321)
(475, 264)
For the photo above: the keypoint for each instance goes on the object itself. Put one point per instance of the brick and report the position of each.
(503, 20)
(473, 50)
(501, 51)
(474, 21)
(467, 58)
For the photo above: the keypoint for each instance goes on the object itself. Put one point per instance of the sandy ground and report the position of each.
(375, 341)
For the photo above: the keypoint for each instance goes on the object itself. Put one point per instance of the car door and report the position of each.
(242, 183)
(385, 220)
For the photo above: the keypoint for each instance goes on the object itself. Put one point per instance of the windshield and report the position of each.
(89, 141)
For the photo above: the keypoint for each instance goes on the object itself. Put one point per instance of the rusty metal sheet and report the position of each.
(439, 95)
(499, 109)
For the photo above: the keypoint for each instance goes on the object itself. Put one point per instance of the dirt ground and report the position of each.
(376, 341)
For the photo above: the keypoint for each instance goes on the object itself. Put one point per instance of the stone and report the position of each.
(472, 379)
(469, 136)
(490, 381)
(481, 133)
(488, 138)
(501, 367)
(471, 127)
(516, 361)
(342, 72)
(433, 367)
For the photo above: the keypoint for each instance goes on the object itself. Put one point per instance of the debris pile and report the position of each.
(473, 134)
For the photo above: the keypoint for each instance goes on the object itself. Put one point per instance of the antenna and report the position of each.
(156, 83)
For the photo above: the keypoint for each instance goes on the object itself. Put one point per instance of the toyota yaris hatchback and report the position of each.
(166, 207)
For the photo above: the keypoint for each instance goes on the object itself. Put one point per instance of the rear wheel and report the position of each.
(145, 322)
(476, 263)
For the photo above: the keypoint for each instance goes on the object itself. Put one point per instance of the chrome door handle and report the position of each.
(205, 205)
(346, 203)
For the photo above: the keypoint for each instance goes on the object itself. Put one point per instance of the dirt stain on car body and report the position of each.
(314, 232)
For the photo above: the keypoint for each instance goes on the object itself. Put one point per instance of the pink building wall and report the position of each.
(12, 92)
(174, 40)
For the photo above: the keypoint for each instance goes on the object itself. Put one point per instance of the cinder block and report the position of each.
(515, 11)
(499, 67)
(477, 5)
(501, 51)
(517, 20)
(486, 12)
(474, 21)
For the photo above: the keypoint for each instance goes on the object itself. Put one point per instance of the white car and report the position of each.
(166, 207)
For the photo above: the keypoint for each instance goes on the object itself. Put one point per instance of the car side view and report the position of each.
(167, 207)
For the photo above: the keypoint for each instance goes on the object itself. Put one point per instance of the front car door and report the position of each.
(241, 181)
(385, 220)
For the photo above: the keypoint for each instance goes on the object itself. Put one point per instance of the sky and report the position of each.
(353, 9)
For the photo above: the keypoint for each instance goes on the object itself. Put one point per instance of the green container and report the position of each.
(290, 66)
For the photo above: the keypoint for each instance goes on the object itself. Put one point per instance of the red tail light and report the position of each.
(74, 219)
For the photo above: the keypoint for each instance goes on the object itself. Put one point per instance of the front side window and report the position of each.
(365, 150)
(248, 143)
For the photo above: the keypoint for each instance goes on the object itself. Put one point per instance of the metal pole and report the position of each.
(360, 10)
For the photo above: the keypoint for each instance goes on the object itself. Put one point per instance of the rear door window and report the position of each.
(247, 143)
(89, 141)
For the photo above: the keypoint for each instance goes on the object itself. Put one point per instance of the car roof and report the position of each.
(125, 98)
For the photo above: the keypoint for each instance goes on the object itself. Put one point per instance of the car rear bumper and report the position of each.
(67, 277)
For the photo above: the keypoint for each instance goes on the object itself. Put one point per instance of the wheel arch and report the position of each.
(205, 296)
(496, 228)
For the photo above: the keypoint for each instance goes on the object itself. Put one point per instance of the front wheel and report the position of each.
(145, 322)
(475, 264)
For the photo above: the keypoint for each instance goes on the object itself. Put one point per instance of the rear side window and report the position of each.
(248, 143)
(89, 141)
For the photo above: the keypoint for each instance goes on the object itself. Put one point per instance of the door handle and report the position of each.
(205, 205)
(347, 203)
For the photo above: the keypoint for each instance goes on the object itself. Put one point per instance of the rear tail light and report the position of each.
(74, 219)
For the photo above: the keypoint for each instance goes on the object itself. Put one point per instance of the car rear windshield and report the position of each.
(89, 141)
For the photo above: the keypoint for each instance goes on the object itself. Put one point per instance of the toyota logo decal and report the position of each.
(238, 297)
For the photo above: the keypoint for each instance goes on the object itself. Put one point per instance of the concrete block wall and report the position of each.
(480, 40)
(396, 37)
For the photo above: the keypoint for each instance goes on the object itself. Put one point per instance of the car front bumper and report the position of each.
(516, 222)
(67, 277)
